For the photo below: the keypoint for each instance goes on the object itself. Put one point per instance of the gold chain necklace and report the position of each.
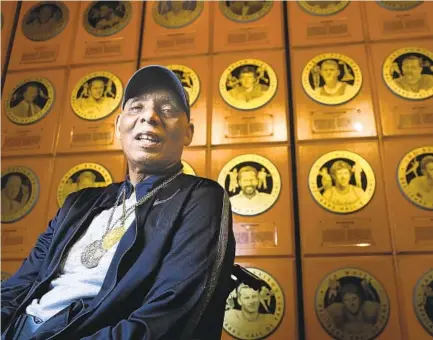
(93, 253)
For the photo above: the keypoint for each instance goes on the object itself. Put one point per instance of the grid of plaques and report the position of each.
(361, 75)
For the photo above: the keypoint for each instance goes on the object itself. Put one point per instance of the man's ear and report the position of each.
(189, 134)
(117, 126)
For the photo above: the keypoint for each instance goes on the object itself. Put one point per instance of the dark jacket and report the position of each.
(169, 277)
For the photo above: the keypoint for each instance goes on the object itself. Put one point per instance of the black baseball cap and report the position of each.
(156, 76)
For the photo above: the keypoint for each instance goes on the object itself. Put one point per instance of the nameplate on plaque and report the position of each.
(255, 235)
(328, 28)
(423, 229)
(106, 48)
(22, 139)
(12, 238)
(335, 121)
(406, 23)
(41, 54)
(175, 41)
(251, 35)
(249, 126)
(347, 233)
(102, 134)
(414, 117)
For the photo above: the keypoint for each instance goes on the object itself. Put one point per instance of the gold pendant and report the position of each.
(113, 237)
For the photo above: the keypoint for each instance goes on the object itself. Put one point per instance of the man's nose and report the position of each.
(149, 116)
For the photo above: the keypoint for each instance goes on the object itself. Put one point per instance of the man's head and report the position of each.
(351, 299)
(247, 77)
(97, 88)
(30, 93)
(13, 186)
(247, 178)
(341, 172)
(105, 11)
(46, 12)
(154, 125)
(330, 71)
(427, 167)
(86, 179)
(412, 69)
(248, 298)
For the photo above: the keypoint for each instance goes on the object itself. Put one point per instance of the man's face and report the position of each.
(177, 6)
(13, 186)
(30, 94)
(329, 72)
(247, 79)
(153, 130)
(85, 182)
(104, 11)
(248, 182)
(411, 71)
(249, 300)
(428, 170)
(45, 13)
(342, 177)
(97, 89)
(352, 302)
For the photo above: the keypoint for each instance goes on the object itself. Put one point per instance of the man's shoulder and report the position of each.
(202, 183)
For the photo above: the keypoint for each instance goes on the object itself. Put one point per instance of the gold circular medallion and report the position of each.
(104, 18)
(254, 312)
(5, 276)
(331, 78)
(423, 301)
(399, 5)
(20, 191)
(415, 176)
(84, 175)
(96, 95)
(323, 7)
(352, 304)
(188, 169)
(342, 181)
(45, 20)
(252, 182)
(176, 14)
(189, 80)
(248, 84)
(245, 11)
(30, 100)
(408, 72)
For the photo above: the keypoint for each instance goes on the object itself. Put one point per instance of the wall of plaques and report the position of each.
(339, 91)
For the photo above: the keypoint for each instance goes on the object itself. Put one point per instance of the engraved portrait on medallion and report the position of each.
(188, 169)
(45, 20)
(176, 14)
(96, 95)
(189, 80)
(323, 7)
(415, 176)
(254, 312)
(19, 193)
(352, 304)
(30, 100)
(423, 301)
(331, 78)
(81, 176)
(252, 182)
(248, 84)
(245, 11)
(104, 18)
(399, 5)
(5, 276)
(342, 182)
(408, 72)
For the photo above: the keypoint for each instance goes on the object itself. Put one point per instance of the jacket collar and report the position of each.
(150, 182)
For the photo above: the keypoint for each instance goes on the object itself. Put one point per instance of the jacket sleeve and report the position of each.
(15, 289)
(195, 270)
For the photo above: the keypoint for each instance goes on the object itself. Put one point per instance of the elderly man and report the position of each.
(147, 258)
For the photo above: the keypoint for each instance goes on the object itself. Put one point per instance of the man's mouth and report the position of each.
(148, 138)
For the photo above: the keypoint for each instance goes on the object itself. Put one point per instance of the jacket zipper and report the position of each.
(112, 286)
